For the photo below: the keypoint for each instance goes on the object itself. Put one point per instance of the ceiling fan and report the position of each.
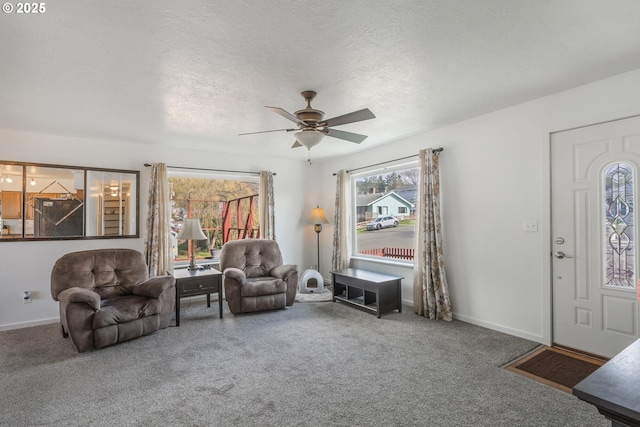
(312, 126)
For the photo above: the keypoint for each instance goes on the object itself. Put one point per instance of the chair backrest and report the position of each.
(256, 257)
(108, 272)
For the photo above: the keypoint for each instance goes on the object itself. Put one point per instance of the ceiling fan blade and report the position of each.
(296, 145)
(347, 136)
(356, 116)
(265, 131)
(286, 115)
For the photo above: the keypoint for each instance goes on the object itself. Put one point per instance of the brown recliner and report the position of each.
(255, 278)
(106, 297)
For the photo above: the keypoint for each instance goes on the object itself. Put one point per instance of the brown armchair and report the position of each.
(106, 297)
(255, 278)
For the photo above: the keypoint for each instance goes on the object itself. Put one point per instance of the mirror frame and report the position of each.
(85, 171)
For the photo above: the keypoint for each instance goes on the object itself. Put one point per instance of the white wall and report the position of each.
(495, 176)
(314, 196)
(27, 265)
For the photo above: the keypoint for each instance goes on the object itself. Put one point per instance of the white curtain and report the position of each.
(266, 205)
(430, 289)
(158, 233)
(342, 223)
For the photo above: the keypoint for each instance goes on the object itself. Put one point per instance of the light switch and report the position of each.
(531, 226)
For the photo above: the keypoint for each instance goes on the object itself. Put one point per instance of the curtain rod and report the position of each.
(388, 161)
(208, 170)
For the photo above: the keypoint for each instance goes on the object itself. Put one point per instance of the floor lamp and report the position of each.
(318, 218)
(191, 230)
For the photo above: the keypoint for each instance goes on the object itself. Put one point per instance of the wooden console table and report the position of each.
(614, 388)
(367, 290)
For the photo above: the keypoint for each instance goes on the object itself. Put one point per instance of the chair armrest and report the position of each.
(283, 271)
(154, 287)
(75, 294)
(235, 274)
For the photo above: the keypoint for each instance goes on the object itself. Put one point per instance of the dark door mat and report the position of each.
(557, 368)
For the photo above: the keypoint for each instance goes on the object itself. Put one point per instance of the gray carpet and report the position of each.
(313, 364)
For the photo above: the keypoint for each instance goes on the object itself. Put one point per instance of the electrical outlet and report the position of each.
(531, 226)
(26, 297)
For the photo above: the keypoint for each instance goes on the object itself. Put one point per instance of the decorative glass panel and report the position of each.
(619, 226)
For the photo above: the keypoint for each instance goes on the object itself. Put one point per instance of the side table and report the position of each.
(198, 282)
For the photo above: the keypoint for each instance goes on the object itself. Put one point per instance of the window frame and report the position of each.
(212, 175)
(90, 186)
(392, 166)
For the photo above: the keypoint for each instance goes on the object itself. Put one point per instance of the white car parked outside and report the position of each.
(382, 222)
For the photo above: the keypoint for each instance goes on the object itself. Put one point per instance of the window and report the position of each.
(227, 206)
(384, 204)
(54, 202)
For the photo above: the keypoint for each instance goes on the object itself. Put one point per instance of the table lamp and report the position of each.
(191, 230)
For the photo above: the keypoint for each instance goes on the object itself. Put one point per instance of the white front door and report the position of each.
(595, 175)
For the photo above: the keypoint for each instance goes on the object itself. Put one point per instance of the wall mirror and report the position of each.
(44, 202)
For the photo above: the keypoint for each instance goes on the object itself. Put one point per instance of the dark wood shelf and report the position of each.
(367, 290)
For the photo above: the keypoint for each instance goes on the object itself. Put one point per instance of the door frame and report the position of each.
(547, 270)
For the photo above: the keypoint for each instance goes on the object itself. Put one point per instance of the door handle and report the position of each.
(560, 255)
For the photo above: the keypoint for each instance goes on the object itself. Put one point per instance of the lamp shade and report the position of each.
(309, 137)
(318, 216)
(191, 230)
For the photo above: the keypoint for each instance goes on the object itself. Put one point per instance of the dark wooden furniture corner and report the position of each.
(190, 283)
(614, 388)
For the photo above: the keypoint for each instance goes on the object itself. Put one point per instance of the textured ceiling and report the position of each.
(197, 73)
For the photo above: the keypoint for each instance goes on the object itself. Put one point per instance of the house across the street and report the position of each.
(369, 206)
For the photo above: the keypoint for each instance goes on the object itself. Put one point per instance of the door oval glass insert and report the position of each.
(619, 226)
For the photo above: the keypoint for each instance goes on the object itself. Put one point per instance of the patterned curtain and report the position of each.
(158, 239)
(342, 220)
(266, 204)
(430, 289)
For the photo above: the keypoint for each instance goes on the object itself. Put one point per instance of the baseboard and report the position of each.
(499, 328)
(489, 325)
(22, 325)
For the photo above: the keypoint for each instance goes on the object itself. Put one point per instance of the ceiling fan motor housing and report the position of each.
(309, 115)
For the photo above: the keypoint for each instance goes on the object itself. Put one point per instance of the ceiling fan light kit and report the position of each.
(308, 138)
(312, 127)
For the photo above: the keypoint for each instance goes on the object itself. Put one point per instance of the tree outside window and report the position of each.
(227, 209)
